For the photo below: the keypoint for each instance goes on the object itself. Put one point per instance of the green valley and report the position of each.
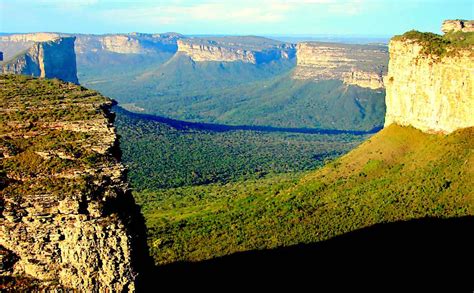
(171, 153)
(398, 174)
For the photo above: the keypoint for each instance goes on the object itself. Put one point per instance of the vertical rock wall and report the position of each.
(50, 59)
(68, 218)
(431, 93)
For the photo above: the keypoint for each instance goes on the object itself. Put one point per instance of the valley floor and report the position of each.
(398, 174)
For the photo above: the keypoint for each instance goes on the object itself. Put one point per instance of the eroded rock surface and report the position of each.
(30, 55)
(248, 49)
(432, 92)
(68, 218)
(362, 65)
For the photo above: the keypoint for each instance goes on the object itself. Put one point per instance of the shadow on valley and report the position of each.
(397, 253)
(183, 125)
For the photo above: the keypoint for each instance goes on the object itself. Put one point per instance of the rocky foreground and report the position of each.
(68, 218)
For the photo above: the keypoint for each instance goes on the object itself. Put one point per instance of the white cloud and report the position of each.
(245, 12)
(238, 12)
(62, 3)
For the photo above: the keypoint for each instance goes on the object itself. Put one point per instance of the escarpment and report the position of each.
(457, 25)
(49, 59)
(133, 43)
(430, 81)
(253, 50)
(362, 65)
(68, 219)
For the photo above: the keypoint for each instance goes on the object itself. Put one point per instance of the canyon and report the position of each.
(69, 220)
(362, 65)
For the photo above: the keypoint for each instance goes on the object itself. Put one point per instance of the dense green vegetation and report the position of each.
(161, 155)
(240, 93)
(113, 68)
(436, 45)
(398, 174)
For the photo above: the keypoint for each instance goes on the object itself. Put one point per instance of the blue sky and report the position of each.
(264, 17)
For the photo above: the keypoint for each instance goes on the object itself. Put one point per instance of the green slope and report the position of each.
(240, 93)
(398, 174)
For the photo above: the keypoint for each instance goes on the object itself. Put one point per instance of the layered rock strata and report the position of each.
(362, 65)
(230, 49)
(430, 92)
(68, 218)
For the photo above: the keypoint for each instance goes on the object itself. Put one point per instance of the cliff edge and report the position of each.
(247, 49)
(430, 81)
(68, 219)
(49, 59)
(362, 65)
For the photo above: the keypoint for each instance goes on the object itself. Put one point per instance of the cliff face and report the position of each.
(430, 92)
(457, 26)
(230, 49)
(67, 215)
(362, 65)
(49, 59)
(134, 43)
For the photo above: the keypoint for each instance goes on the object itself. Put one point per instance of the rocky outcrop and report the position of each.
(457, 25)
(68, 218)
(230, 49)
(362, 65)
(431, 92)
(49, 59)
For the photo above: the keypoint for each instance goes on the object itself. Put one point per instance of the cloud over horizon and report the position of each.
(231, 16)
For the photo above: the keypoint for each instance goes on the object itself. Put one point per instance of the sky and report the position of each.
(232, 17)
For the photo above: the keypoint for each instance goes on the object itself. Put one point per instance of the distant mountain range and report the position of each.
(237, 80)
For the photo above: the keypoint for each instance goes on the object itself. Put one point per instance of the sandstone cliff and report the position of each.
(49, 59)
(457, 25)
(230, 49)
(68, 219)
(133, 43)
(430, 82)
(362, 65)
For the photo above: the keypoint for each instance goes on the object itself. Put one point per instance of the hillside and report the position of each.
(237, 93)
(398, 174)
